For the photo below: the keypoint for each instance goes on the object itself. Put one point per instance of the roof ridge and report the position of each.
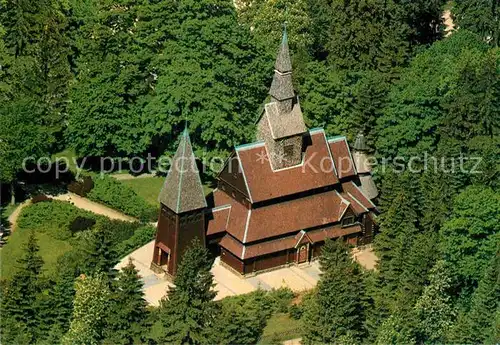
(182, 170)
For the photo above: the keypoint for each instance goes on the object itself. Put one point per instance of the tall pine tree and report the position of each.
(125, 322)
(188, 311)
(335, 311)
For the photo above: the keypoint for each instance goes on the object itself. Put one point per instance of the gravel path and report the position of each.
(94, 207)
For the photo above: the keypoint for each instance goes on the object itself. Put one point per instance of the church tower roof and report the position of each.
(182, 190)
(283, 61)
(360, 143)
(282, 85)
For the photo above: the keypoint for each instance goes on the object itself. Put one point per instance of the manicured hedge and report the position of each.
(117, 195)
(140, 237)
(56, 218)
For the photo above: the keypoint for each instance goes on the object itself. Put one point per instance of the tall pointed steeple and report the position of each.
(182, 190)
(282, 125)
(282, 86)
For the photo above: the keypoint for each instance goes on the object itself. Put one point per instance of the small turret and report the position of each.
(362, 162)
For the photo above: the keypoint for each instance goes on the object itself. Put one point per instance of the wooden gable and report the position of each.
(232, 176)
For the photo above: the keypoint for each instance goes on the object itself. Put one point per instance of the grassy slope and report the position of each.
(56, 220)
(280, 327)
(50, 250)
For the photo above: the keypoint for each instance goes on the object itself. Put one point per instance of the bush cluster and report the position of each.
(141, 236)
(56, 218)
(63, 221)
(117, 195)
(82, 187)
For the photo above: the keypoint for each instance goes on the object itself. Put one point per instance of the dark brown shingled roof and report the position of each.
(292, 216)
(182, 190)
(342, 157)
(356, 205)
(285, 125)
(263, 183)
(356, 192)
(250, 251)
(218, 219)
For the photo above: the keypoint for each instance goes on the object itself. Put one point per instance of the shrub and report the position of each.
(295, 311)
(280, 299)
(55, 218)
(81, 224)
(117, 195)
(119, 230)
(82, 187)
(40, 198)
(141, 237)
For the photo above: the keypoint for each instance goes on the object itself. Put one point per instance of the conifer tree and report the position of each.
(433, 309)
(188, 311)
(480, 323)
(479, 16)
(20, 307)
(335, 311)
(127, 313)
(57, 307)
(97, 251)
(90, 307)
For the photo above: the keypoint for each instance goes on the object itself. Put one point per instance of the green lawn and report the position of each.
(149, 187)
(50, 250)
(8, 209)
(280, 327)
(68, 155)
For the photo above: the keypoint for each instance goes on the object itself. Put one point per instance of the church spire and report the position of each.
(282, 86)
(182, 190)
(283, 61)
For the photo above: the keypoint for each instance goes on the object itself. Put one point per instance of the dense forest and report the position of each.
(121, 77)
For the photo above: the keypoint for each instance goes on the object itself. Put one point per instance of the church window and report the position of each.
(347, 221)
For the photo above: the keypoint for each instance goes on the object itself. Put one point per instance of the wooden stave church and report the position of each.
(276, 200)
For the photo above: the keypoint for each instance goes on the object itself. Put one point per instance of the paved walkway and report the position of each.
(92, 206)
(126, 176)
(228, 283)
(448, 23)
(12, 219)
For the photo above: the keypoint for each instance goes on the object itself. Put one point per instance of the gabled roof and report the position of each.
(355, 191)
(254, 250)
(291, 216)
(182, 190)
(316, 171)
(342, 156)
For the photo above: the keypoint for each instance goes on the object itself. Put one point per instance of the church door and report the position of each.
(303, 254)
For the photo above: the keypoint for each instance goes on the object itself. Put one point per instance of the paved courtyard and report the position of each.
(227, 283)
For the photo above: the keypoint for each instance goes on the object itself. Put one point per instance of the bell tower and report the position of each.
(182, 210)
(281, 124)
